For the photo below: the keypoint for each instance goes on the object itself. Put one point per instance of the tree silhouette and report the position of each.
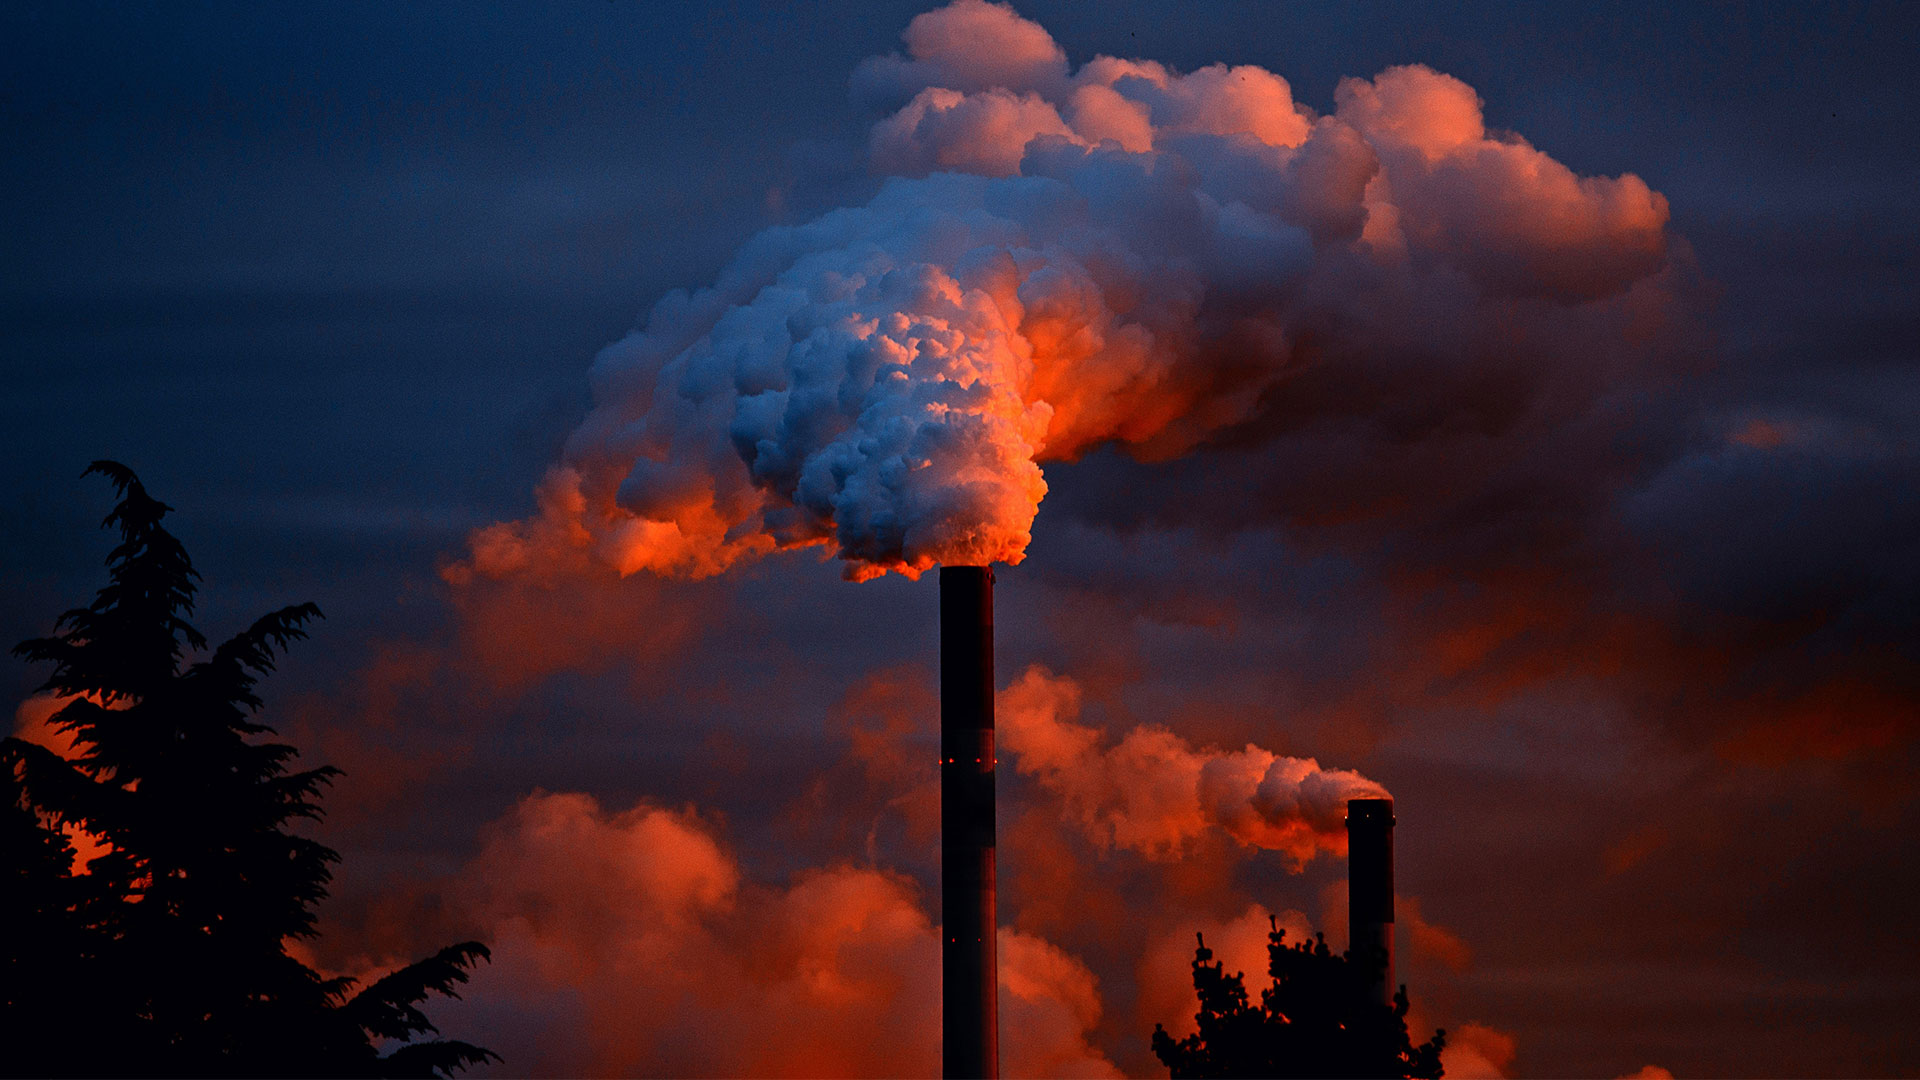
(1316, 1020)
(167, 955)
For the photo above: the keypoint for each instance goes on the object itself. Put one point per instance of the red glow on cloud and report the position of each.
(1477, 1052)
(33, 721)
(1763, 434)
(637, 932)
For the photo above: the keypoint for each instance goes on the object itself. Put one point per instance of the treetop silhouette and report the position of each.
(1316, 1020)
(167, 954)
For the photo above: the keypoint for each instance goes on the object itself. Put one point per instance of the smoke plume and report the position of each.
(632, 943)
(1057, 259)
(1477, 1052)
(1150, 792)
(1153, 792)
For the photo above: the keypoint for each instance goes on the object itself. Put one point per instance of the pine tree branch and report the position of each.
(55, 787)
(386, 1008)
(439, 1058)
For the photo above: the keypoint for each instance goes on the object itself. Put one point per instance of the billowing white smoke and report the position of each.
(1061, 258)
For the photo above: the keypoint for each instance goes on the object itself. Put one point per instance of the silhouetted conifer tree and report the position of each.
(167, 955)
(1314, 1021)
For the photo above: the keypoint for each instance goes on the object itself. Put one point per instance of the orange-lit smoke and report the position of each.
(633, 940)
(1060, 258)
(1153, 792)
(1477, 1052)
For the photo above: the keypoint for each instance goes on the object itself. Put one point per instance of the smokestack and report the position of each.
(1370, 890)
(970, 1012)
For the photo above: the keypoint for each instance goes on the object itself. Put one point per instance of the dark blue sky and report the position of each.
(330, 276)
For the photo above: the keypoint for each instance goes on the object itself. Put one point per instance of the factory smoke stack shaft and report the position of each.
(970, 1019)
(1370, 891)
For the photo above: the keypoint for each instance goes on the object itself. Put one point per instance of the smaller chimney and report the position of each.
(1370, 891)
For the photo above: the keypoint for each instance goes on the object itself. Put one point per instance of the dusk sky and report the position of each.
(1513, 407)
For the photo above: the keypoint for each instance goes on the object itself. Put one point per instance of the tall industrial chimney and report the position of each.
(970, 1012)
(1370, 889)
